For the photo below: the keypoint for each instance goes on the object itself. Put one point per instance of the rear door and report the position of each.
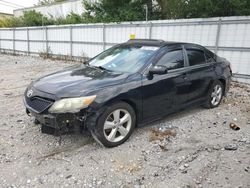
(161, 93)
(200, 72)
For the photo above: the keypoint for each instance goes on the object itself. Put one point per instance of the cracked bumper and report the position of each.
(66, 122)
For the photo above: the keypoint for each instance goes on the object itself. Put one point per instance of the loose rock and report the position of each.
(231, 147)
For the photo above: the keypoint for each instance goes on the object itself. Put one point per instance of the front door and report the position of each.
(163, 93)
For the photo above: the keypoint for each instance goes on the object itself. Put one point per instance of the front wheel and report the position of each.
(115, 125)
(215, 95)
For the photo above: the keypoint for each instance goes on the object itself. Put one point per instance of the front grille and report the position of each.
(38, 104)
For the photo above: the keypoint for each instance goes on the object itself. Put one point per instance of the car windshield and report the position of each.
(124, 58)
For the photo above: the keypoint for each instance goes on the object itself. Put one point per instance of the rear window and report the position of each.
(196, 57)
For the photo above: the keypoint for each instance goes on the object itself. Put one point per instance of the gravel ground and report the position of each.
(193, 148)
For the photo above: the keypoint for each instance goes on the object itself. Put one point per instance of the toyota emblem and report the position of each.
(29, 93)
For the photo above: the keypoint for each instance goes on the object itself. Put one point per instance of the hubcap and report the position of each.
(117, 125)
(216, 95)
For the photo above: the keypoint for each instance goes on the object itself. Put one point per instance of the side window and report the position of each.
(172, 60)
(196, 57)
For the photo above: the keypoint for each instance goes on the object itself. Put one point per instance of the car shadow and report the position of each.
(175, 115)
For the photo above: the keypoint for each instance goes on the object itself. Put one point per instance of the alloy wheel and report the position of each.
(216, 95)
(117, 125)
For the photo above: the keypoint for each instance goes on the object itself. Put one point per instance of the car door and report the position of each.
(199, 72)
(162, 93)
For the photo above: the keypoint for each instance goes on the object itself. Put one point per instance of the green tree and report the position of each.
(118, 10)
(134, 10)
(71, 18)
(10, 22)
(213, 8)
(47, 2)
(33, 18)
(174, 9)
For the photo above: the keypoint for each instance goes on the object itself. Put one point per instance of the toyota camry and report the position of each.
(127, 86)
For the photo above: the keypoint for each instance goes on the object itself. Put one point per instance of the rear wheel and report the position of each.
(215, 95)
(115, 125)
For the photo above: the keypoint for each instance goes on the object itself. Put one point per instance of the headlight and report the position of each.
(72, 105)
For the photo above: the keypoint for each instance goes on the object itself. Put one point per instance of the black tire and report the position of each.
(209, 103)
(97, 129)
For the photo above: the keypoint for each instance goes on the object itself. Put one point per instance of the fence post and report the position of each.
(150, 30)
(104, 36)
(28, 41)
(71, 41)
(14, 45)
(46, 41)
(218, 36)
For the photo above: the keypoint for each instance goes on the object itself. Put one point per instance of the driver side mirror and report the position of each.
(158, 69)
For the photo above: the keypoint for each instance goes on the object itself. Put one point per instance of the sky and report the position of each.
(7, 6)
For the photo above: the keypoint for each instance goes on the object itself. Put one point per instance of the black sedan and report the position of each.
(127, 86)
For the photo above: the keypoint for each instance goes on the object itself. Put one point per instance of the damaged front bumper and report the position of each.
(56, 123)
(60, 123)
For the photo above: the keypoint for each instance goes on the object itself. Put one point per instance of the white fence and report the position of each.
(227, 36)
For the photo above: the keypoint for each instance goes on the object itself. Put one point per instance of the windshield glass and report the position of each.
(125, 58)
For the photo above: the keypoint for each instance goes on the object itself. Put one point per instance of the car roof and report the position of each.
(155, 42)
(162, 43)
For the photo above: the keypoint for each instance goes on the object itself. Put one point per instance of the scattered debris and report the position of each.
(156, 134)
(133, 168)
(8, 94)
(183, 169)
(69, 176)
(242, 140)
(92, 158)
(247, 169)
(231, 147)
(163, 146)
(234, 126)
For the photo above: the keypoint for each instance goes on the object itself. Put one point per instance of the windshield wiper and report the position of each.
(102, 68)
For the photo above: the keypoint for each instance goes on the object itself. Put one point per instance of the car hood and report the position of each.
(77, 81)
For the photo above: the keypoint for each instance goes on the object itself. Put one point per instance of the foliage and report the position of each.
(47, 2)
(133, 10)
(173, 9)
(118, 10)
(29, 18)
(33, 18)
(10, 22)
(71, 18)
(215, 8)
